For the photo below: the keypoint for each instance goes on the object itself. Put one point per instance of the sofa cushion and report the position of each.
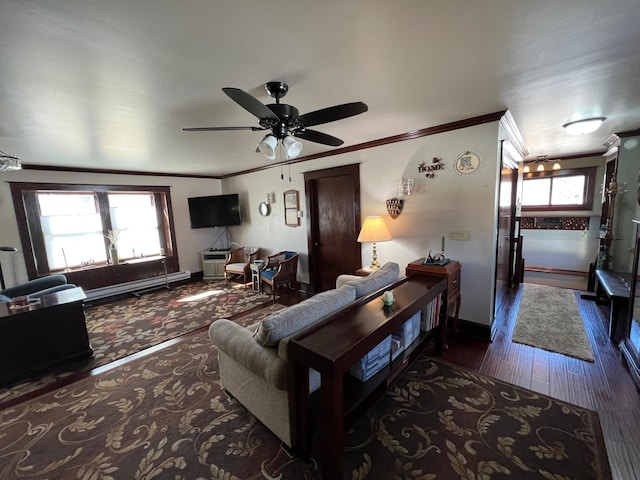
(385, 275)
(296, 317)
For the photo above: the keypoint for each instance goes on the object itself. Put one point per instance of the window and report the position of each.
(67, 225)
(569, 189)
(71, 229)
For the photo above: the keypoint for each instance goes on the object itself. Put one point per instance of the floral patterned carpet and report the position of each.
(124, 327)
(165, 415)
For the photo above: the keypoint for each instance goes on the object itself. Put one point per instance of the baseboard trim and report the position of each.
(475, 329)
(558, 271)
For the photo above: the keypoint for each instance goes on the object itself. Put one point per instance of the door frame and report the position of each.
(509, 159)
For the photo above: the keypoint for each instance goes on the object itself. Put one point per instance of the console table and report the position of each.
(332, 346)
(616, 287)
(42, 335)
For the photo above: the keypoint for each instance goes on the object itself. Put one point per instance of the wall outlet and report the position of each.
(460, 235)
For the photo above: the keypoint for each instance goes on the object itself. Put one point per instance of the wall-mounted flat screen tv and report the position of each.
(214, 211)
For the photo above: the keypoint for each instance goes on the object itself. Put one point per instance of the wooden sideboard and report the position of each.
(333, 345)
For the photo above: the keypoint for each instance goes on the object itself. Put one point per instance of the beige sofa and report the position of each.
(254, 364)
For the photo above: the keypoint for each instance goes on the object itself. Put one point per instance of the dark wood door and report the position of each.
(333, 209)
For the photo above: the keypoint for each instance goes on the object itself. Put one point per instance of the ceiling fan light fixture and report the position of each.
(557, 166)
(268, 146)
(584, 126)
(540, 167)
(292, 147)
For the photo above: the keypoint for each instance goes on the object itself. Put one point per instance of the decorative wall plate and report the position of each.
(466, 163)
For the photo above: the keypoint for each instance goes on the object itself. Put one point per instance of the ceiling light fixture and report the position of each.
(269, 144)
(584, 126)
(292, 147)
(9, 162)
(540, 168)
(526, 169)
(557, 166)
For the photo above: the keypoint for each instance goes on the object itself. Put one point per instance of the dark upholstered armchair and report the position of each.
(280, 269)
(238, 263)
(36, 288)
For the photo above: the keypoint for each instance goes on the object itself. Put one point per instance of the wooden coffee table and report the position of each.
(42, 335)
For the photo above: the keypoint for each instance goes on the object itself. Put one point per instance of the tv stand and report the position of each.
(213, 264)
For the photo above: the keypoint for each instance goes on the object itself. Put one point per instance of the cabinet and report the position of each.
(630, 345)
(213, 263)
(451, 272)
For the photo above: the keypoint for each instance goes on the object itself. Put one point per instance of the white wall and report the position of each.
(448, 202)
(189, 241)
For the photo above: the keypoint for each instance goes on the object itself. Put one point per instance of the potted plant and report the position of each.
(112, 236)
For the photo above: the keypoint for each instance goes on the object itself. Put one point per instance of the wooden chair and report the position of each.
(280, 269)
(238, 263)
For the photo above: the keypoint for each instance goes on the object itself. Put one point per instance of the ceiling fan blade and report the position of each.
(250, 103)
(318, 137)
(220, 129)
(331, 114)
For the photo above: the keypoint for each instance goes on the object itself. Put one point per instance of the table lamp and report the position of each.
(374, 230)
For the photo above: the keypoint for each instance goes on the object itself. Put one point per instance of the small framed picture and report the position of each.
(291, 208)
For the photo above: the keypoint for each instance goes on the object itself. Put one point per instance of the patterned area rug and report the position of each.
(166, 416)
(124, 327)
(549, 318)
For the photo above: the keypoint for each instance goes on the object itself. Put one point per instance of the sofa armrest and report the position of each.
(342, 279)
(238, 343)
(34, 286)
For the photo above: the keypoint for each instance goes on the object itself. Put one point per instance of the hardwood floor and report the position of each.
(604, 386)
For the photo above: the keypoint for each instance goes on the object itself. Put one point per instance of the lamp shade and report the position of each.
(374, 230)
(292, 147)
(268, 146)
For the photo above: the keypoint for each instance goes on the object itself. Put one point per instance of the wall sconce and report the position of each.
(394, 207)
(9, 162)
(405, 187)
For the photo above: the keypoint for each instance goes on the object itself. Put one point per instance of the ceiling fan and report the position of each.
(284, 120)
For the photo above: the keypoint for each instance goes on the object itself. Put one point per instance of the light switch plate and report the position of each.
(460, 235)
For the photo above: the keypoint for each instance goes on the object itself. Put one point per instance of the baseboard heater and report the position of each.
(137, 285)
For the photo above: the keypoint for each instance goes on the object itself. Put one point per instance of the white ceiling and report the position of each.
(111, 83)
